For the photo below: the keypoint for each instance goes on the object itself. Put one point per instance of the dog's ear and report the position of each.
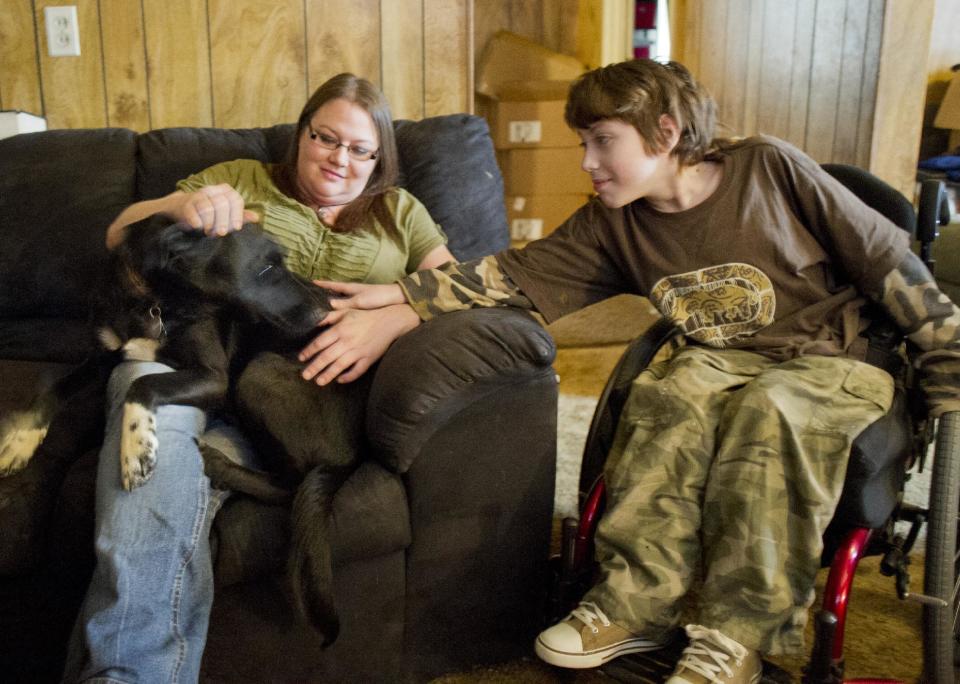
(174, 243)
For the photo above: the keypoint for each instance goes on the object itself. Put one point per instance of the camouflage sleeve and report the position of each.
(456, 286)
(932, 322)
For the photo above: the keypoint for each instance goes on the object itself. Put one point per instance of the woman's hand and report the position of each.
(354, 340)
(214, 209)
(363, 296)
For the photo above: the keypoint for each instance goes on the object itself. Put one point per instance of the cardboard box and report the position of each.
(508, 57)
(534, 216)
(543, 171)
(948, 115)
(530, 114)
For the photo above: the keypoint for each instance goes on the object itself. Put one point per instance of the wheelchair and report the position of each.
(883, 458)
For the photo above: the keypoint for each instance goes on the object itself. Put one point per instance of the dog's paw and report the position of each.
(138, 445)
(20, 435)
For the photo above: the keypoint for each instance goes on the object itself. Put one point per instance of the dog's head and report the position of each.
(243, 270)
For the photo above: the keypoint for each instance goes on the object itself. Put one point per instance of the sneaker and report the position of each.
(712, 658)
(587, 638)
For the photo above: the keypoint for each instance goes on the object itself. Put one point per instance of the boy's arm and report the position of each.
(930, 320)
(456, 286)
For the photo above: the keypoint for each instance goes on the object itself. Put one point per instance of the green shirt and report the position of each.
(313, 249)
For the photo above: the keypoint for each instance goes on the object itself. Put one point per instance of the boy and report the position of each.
(730, 457)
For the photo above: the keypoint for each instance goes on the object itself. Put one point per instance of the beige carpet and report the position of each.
(883, 633)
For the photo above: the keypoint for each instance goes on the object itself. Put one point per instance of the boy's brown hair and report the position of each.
(639, 92)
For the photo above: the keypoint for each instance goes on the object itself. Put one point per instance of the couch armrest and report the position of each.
(442, 367)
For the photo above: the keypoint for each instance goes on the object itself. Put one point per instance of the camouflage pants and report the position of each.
(727, 467)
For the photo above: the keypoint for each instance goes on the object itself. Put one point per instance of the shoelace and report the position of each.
(708, 658)
(587, 612)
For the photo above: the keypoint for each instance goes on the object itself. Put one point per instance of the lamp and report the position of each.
(14, 121)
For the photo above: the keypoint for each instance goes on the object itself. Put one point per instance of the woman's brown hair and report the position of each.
(364, 94)
(639, 92)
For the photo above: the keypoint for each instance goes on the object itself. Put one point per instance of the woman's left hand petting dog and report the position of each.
(179, 297)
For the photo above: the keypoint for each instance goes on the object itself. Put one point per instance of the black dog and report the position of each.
(219, 300)
(311, 439)
(205, 306)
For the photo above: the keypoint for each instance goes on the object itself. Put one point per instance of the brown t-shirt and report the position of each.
(774, 261)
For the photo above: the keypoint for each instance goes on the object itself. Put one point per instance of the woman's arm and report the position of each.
(214, 209)
(436, 258)
(910, 295)
(353, 340)
(370, 317)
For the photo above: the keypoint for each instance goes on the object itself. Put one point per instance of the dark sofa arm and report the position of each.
(444, 366)
(465, 407)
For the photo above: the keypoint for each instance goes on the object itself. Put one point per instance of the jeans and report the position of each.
(145, 614)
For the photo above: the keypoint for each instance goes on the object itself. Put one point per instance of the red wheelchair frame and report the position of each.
(942, 567)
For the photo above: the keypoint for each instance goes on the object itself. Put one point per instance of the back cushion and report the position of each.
(448, 163)
(59, 190)
(167, 155)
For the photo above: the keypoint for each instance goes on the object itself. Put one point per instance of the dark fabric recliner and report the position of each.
(440, 538)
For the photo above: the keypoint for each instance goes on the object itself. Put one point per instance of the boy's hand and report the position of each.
(363, 296)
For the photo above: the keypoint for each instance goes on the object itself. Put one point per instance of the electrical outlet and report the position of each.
(526, 229)
(63, 32)
(524, 132)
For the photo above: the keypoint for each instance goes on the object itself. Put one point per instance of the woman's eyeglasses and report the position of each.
(329, 142)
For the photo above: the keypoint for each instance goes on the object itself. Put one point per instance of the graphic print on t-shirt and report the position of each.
(717, 305)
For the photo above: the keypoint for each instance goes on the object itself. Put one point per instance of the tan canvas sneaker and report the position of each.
(712, 658)
(587, 638)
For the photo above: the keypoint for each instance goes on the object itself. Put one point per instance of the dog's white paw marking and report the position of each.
(140, 349)
(20, 435)
(138, 445)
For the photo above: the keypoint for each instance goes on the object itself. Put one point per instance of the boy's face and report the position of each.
(620, 165)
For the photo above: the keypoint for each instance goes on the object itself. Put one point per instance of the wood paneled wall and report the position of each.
(805, 72)
(552, 23)
(842, 79)
(232, 63)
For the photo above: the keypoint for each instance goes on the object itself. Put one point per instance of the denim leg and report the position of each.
(145, 615)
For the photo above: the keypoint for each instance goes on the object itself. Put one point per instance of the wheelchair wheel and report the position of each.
(941, 629)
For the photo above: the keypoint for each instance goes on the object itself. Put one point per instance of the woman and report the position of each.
(730, 456)
(334, 207)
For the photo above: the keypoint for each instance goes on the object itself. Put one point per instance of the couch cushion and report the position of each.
(57, 340)
(167, 155)
(59, 190)
(370, 518)
(448, 163)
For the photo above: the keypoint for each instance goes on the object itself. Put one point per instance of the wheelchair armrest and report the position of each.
(638, 355)
(445, 365)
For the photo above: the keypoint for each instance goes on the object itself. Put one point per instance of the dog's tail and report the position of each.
(309, 566)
